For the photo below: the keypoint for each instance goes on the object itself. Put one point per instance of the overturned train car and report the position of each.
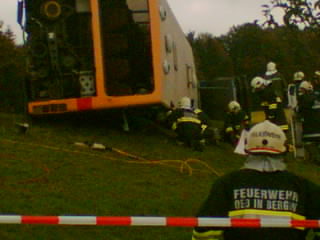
(101, 54)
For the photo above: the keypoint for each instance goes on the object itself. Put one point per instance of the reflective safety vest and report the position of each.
(188, 116)
(234, 122)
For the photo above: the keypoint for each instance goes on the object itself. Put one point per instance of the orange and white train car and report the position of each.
(101, 54)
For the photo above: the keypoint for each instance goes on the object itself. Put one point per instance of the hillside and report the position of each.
(44, 173)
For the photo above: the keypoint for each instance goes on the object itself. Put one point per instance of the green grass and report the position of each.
(44, 173)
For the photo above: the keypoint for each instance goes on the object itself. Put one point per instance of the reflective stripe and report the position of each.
(229, 129)
(197, 111)
(203, 128)
(284, 127)
(273, 106)
(263, 150)
(244, 213)
(237, 127)
(174, 126)
(208, 235)
(282, 216)
(264, 104)
(184, 119)
(188, 119)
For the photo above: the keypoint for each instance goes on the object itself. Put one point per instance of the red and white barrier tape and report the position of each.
(160, 221)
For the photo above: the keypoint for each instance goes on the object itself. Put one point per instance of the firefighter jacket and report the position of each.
(253, 193)
(278, 84)
(293, 92)
(272, 106)
(189, 124)
(309, 113)
(235, 122)
(182, 115)
(316, 90)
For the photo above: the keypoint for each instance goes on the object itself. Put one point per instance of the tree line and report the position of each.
(12, 72)
(246, 49)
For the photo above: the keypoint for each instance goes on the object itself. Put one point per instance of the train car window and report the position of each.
(190, 76)
(126, 38)
(163, 13)
(60, 48)
(166, 67)
(175, 56)
(168, 43)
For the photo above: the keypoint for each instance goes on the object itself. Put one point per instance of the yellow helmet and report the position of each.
(298, 76)
(266, 138)
(234, 106)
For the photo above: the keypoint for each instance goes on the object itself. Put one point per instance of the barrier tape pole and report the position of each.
(159, 221)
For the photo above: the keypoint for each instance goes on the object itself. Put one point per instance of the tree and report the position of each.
(297, 13)
(11, 72)
(212, 59)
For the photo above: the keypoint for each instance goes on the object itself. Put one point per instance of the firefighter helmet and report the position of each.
(271, 67)
(316, 76)
(185, 102)
(258, 82)
(234, 106)
(265, 138)
(298, 76)
(305, 86)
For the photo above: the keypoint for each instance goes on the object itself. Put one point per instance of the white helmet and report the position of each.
(185, 102)
(316, 75)
(298, 76)
(234, 106)
(258, 82)
(271, 67)
(305, 86)
(266, 138)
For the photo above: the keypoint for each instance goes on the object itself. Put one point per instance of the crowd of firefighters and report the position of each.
(300, 99)
(263, 188)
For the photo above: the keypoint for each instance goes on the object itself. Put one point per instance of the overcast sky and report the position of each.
(213, 16)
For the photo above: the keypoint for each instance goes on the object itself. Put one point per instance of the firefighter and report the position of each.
(269, 102)
(293, 89)
(191, 125)
(262, 188)
(235, 121)
(309, 114)
(274, 78)
(316, 84)
(296, 124)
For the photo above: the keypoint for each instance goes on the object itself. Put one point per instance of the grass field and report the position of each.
(44, 173)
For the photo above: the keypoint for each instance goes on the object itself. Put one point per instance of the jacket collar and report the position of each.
(263, 163)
